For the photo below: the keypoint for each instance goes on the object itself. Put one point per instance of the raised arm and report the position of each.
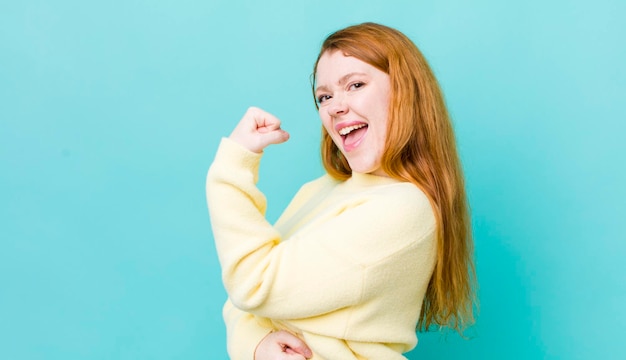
(316, 271)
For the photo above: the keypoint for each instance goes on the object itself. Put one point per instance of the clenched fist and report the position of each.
(257, 129)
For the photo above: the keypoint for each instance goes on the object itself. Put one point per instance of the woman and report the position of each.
(374, 249)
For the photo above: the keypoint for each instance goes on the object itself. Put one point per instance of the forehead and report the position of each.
(334, 65)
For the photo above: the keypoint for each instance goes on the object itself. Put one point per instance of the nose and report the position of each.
(338, 106)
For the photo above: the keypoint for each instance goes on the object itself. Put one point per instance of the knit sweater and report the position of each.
(345, 267)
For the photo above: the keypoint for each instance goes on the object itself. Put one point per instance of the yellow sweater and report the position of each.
(345, 267)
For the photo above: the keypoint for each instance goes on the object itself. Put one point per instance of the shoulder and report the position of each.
(384, 222)
(395, 201)
(405, 203)
(407, 195)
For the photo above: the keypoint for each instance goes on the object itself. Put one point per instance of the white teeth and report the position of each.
(349, 129)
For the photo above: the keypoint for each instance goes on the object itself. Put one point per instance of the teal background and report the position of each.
(111, 111)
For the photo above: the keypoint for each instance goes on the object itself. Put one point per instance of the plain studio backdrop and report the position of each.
(111, 112)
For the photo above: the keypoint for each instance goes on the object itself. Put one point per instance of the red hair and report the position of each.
(420, 148)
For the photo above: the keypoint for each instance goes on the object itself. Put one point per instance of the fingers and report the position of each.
(278, 136)
(292, 355)
(282, 345)
(258, 129)
(265, 121)
(293, 343)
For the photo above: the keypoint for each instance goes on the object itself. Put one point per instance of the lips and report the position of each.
(352, 134)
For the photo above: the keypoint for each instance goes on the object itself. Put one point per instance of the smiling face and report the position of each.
(353, 99)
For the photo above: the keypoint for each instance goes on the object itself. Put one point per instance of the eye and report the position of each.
(322, 98)
(356, 85)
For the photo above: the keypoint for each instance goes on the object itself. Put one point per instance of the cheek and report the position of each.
(383, 105)
(326, 121)
(381, 124)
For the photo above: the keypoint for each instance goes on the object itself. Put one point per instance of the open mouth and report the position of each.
(352, 135)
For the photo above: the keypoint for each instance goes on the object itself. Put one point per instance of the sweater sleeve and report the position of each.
(244, 332)
(313, 273)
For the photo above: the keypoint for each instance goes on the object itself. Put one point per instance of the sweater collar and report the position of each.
(361, 179)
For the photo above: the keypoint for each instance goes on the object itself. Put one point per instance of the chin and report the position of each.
(364, 169)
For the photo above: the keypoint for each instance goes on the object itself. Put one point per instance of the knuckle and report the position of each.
(252, 110)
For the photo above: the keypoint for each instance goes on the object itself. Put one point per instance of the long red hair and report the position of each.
(421, 149)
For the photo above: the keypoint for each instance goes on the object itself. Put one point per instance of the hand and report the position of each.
(258, 129)
(282, 345)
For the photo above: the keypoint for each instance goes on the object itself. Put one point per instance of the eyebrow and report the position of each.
(341, 81)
